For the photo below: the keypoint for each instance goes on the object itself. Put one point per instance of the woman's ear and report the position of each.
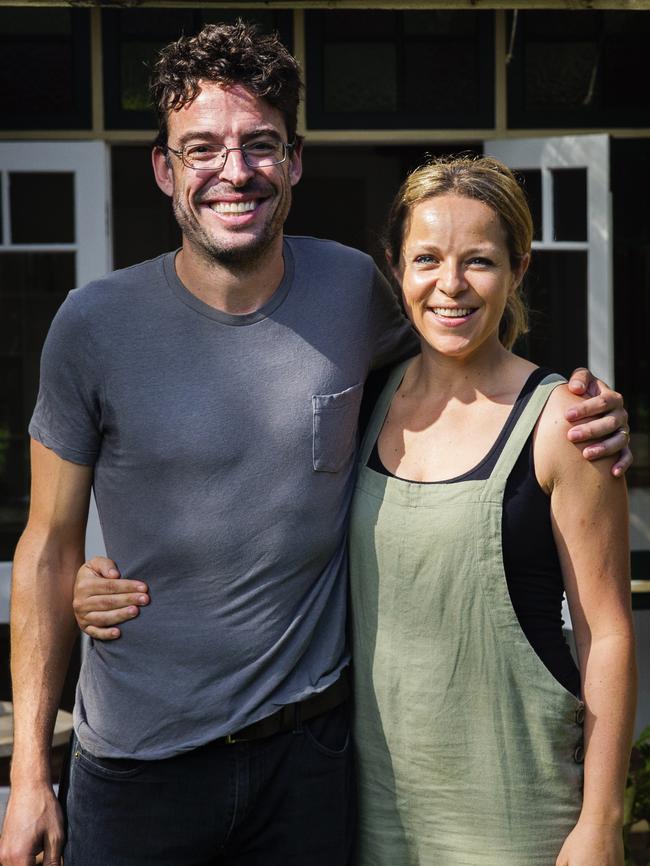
(519, 272)
(394, 268)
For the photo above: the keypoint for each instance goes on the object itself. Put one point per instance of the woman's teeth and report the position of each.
(452, 313)
(233, 206)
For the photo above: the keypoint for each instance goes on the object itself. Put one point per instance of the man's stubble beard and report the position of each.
(239, 257)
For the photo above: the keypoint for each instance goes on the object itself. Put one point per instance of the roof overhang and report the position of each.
(621, 5)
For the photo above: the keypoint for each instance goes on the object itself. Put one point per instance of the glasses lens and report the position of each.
(257, 154)
(203, 156)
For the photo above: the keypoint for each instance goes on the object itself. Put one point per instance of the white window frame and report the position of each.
(89, 162)
(592, 153)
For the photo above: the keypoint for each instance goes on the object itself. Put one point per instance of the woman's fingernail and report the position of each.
(571, 414)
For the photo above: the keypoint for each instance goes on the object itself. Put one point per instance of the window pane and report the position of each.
(411, 69)
(560, 75)
(47, 22)
(51, 51)
(569, 204)
(360, 78)
(531, 181)
(623, 87)
(49, 195)
(132, 39)
(373, 26)
(266, 21)
(583, 68)
(441, 22)
(32, 287)
(556, 293)
(441, 80)
(551, 25)
(136, 63)
(145, 24)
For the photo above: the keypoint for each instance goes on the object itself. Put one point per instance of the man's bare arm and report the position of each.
(43, 631)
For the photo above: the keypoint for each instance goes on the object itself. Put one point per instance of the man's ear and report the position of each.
(162, 170)
(295, 163)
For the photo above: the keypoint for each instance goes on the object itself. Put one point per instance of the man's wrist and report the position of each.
(32, 772)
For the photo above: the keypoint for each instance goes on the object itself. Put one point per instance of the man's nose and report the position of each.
(234, 169)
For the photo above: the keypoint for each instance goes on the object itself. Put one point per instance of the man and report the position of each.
(211, 398)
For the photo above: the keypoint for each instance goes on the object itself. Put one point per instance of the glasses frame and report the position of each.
(287, 147)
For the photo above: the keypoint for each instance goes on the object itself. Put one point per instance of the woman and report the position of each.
(469, 747)
(471, 515)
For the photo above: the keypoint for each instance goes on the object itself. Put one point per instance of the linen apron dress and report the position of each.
(469, 750)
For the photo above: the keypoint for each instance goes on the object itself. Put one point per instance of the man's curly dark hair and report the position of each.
(227, 54)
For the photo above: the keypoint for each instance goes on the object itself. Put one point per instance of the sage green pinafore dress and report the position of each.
(469, 750)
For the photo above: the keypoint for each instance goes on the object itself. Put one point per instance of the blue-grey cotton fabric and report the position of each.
(223, 450)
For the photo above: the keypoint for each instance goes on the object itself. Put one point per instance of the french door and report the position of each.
(570, 285)
(54, 235)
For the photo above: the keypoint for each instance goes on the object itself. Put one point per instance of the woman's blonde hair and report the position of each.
(483, 178)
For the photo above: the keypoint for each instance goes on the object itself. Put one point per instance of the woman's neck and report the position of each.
(490, 371)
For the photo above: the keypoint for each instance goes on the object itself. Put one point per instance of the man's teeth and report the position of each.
(233, 206)
(452, 312)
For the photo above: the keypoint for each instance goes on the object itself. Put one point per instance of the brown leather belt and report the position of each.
(290, 716)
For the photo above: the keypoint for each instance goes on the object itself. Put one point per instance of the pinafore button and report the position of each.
(579, 755)
(580, 714)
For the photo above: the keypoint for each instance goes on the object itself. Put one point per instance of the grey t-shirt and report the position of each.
(223, 450)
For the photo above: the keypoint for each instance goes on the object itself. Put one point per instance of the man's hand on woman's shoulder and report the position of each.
(600, 419)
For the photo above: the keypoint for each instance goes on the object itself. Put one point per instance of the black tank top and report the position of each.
(530, 558)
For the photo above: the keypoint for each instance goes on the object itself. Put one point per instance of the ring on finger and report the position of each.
(625, 431)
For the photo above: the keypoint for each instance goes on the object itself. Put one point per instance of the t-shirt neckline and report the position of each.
(190, 300)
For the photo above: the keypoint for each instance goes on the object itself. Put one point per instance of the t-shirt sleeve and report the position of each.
(67, 416)
(393, 338)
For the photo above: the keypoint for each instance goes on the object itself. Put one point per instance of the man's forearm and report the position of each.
(43, 632)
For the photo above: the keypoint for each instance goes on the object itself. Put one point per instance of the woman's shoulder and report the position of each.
(556, 457)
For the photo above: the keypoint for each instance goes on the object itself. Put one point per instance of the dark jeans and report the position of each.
(286, 800)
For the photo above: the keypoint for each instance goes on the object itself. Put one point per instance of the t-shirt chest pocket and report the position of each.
(335, 428)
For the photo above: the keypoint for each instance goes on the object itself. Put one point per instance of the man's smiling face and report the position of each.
(233, 215)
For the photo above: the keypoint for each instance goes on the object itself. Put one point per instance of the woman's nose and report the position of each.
(451, 278)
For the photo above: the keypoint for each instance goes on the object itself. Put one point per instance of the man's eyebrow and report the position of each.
(207, 135)
(263, 130)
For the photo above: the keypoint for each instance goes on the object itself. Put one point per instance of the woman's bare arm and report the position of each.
(590, 525)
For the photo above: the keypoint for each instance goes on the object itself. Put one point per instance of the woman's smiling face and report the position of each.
(455, 274)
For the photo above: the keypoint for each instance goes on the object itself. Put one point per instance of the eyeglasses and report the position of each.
(212, 157)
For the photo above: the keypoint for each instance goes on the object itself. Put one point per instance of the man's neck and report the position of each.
(233, 289)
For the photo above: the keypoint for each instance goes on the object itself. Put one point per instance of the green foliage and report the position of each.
(637, 789)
